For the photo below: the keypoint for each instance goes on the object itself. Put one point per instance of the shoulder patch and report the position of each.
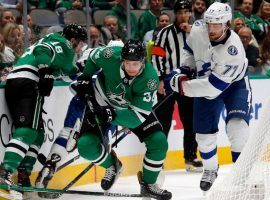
(198, 22)
(232, 50)
(108, 52)
(152, 84)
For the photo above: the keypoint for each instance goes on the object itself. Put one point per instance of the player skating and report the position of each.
(222, 81)
(123, 94)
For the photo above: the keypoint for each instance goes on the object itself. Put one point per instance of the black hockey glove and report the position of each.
(104, 114)
(46, 79)
(82, 87)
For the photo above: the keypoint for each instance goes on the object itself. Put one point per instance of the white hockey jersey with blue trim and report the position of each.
(217, 64)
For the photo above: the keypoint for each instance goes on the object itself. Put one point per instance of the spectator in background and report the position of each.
(7, 59)
(13, 38)
(15, 4)
(120, 11)
(111, 23)
(238, 24)
(149, 18)
(94, 36)
(255, 23)
(264, 12)
(198, 8)
(6, 16)
(29, 34)
(36, 4)
(252, 52)
(35, 29)
(265, 55)
(163, 21)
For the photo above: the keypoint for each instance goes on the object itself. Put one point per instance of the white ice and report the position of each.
(183, 185)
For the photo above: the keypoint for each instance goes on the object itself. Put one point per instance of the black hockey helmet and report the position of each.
(182, 4)
(133, 50)
(74, 31)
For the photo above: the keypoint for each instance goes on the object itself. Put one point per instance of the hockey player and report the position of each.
(123, 94)
(67, 139)
(221, 69)
(28, 83)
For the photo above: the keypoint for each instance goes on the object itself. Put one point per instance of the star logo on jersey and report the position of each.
(152, 84)
(232, 50)
(117, 96)
(108, 52)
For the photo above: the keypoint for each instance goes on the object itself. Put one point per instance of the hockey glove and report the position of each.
(46, 79)
(173, 82)
(82, 87)
(104, 114)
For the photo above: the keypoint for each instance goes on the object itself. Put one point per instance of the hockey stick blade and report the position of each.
(48, 190)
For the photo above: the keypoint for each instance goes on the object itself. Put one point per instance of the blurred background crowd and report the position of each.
(109, 20)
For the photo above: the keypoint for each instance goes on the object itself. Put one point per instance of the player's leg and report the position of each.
(237, 103)
(206, 118)
(58, 150)
(27, 164)
(91, 148)
(21, 96)
(185, 107)
(156, 144)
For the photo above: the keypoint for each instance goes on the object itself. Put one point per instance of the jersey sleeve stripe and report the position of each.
(217, 83)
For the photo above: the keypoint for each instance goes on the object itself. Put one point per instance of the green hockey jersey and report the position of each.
(132, 99)
(53, 51)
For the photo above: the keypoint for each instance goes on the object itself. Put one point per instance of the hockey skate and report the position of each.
(153, 190)
(5, 179)
(46, 174)
(111, 175)
(208, 178)
(194, 165)
(23, 177)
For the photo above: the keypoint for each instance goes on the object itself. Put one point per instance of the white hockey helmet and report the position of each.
(218, 13)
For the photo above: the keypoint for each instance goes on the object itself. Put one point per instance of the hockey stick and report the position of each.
(91, 107)
(126, 131)
(46, 190)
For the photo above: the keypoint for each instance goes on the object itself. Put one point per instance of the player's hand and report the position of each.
(104, 114)
(46, 79)
(82, 87)
(173, 82)
(161, 89)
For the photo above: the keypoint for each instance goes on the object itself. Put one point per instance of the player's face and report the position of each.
(132, 68)
(215, 31)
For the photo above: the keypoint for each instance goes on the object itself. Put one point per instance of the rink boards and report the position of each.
(130, 150)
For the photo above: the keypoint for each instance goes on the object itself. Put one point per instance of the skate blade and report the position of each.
(146, 198)
(191, 168)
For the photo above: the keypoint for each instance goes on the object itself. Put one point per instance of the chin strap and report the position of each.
(223, 34)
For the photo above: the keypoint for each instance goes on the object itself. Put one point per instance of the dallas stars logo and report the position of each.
(118, 97)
